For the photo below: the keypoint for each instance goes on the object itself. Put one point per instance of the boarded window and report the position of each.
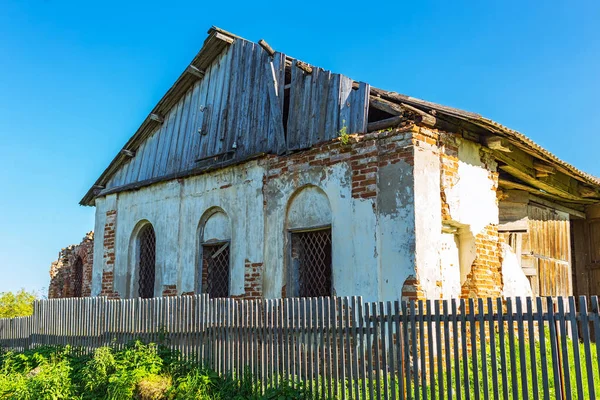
(78, 277)
(310, 274)
(146, 262)
(215, 269)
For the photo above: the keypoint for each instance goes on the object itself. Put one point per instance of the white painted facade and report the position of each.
(377, 243)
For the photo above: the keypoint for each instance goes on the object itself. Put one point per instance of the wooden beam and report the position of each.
(521, 165)
(267, 48)
(194, 71)
(588, 191)
(508, 184)
(426, 119)
(385, 123)
(559, 207)
(157, 118)
(385, 106)
(304, 67)
(128, 153)
(496, 143)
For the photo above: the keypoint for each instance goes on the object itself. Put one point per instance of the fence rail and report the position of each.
(342, 347)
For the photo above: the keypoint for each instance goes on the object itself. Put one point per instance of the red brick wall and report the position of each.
(62, 271)
(109, 255)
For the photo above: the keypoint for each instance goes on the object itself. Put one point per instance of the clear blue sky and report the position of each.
(77, 78)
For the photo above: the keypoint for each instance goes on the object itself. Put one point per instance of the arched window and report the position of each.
(77, 277)
(308, 224)
(146, 262)
(212, 272)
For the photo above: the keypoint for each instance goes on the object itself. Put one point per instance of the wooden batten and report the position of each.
(157, 118)
(194, 71)
(266, 47)
(128, 153)
(304, 67)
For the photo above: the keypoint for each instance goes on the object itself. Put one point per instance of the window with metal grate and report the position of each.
(310, 274)
(215, 269)
(146, 261)
(78, 277)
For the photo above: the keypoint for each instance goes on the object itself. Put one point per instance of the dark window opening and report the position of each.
(215, 269)
(311, 263)
(78, 278)
(146, 262)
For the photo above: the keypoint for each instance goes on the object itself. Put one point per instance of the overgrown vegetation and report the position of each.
(153, 372)
(138, 371)
(19, 304)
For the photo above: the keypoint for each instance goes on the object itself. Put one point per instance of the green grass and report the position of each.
(149, 371)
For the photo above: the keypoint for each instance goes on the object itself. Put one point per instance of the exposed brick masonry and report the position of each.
(63, 274)
(109, 255)
(365, 154)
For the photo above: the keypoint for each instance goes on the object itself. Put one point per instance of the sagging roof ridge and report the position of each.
(218, 39)
(495, 128)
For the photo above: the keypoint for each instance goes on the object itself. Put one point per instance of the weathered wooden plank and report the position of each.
(585, 335)
(554, 348)
(179, 150)
(522, 354)
(345, 113)
(456, 352)
(218, 103)
(543, 354)
(275, 134)
(359, 108)
(531, 331)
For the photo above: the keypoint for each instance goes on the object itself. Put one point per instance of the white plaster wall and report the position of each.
(217, 228)
(373, 239)
(428, 220)
(243, 204)
(395, 228)
(514, 279)
(450, 265)
(472, 200)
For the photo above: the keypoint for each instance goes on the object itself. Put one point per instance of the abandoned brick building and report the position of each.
(260, 175)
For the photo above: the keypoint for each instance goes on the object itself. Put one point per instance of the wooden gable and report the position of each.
(239, 105)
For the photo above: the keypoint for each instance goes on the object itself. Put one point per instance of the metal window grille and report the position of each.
(77, 277)
(311, 263)
(215, 269)
(146, 262)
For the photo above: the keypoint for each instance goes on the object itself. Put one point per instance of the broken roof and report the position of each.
(391, 103)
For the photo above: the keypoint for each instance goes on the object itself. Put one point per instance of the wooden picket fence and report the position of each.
(342, 347)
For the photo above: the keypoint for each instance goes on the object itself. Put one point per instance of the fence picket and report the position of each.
(585, 335)
(345, 348)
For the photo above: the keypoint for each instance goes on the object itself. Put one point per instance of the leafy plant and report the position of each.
(19, 304)
(344, 136)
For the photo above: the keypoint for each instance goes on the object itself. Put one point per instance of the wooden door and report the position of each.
(586, 245)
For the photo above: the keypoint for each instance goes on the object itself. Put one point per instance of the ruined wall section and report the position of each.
(468, 186)
(65, 280)
(458, 251)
